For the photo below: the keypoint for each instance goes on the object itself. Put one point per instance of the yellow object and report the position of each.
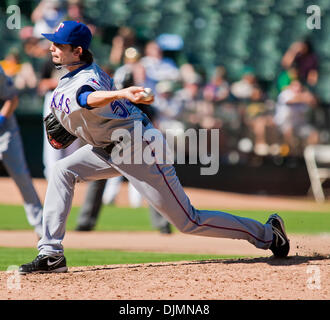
(11, 68)
(284, 150)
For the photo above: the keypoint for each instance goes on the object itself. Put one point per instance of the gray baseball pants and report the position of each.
(157, 183)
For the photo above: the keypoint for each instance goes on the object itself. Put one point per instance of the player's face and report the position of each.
(62, 54)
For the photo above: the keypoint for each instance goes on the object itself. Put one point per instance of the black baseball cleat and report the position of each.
(84, 228)
(281, 244)
(165, 229)
(45, 264)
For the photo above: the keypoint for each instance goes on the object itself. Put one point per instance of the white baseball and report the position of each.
(147, 94)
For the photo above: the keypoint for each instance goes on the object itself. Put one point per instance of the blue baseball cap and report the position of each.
(71, 32)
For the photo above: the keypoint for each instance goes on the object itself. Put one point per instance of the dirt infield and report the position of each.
(304, 275)
(258, 278)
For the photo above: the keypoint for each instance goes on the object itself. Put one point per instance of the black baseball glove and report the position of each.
(57, 136)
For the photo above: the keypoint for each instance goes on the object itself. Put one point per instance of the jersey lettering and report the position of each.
(67, 109)
(60, 103)
(119, 109)
(53, 104)
(60, 106)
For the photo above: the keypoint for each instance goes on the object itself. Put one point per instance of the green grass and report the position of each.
(127, 219)
(18, 256)
(295, 221)
(12, 217)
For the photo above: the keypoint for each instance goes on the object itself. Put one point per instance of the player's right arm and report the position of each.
(8, 95)
(9, 107)
(99, 99)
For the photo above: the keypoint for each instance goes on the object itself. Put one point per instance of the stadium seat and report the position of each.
(265, 68)
(232, 6)
(323, 4)
(174, 24)
(173, 6)
(107, 13)
(269, 24)
(299, 27)
(234, 67)
(317, 158)
(174, 18)
(323, 85)
(260, 7)
(288, 8)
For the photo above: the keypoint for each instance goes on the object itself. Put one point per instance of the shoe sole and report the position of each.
(59, 270)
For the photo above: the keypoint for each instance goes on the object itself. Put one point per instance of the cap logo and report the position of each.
(59, 27)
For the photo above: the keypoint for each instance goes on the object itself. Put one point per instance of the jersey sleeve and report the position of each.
(82, 95)
(95, 84)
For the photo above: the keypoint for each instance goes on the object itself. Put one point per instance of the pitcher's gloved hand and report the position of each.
(57, 136)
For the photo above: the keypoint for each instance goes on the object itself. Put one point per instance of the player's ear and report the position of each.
(77, 51)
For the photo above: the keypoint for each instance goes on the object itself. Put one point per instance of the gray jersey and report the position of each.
(92, 125)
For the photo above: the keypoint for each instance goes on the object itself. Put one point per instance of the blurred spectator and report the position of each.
(22, 73)
(302, 56)
(162, 75)
(157, 67)
(188, 100)
(197, 111)
(75, 11)
(243, 89)
(124, 39)
(167, 110)
(190, 92)
(49, 78)
(187, 72)
(285, 78)
(218, 88)
(259, 117)
(47, 16)
(131, 72)
(293, 105)
(36, 48)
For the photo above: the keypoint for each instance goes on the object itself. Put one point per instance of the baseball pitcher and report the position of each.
(87, 105)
